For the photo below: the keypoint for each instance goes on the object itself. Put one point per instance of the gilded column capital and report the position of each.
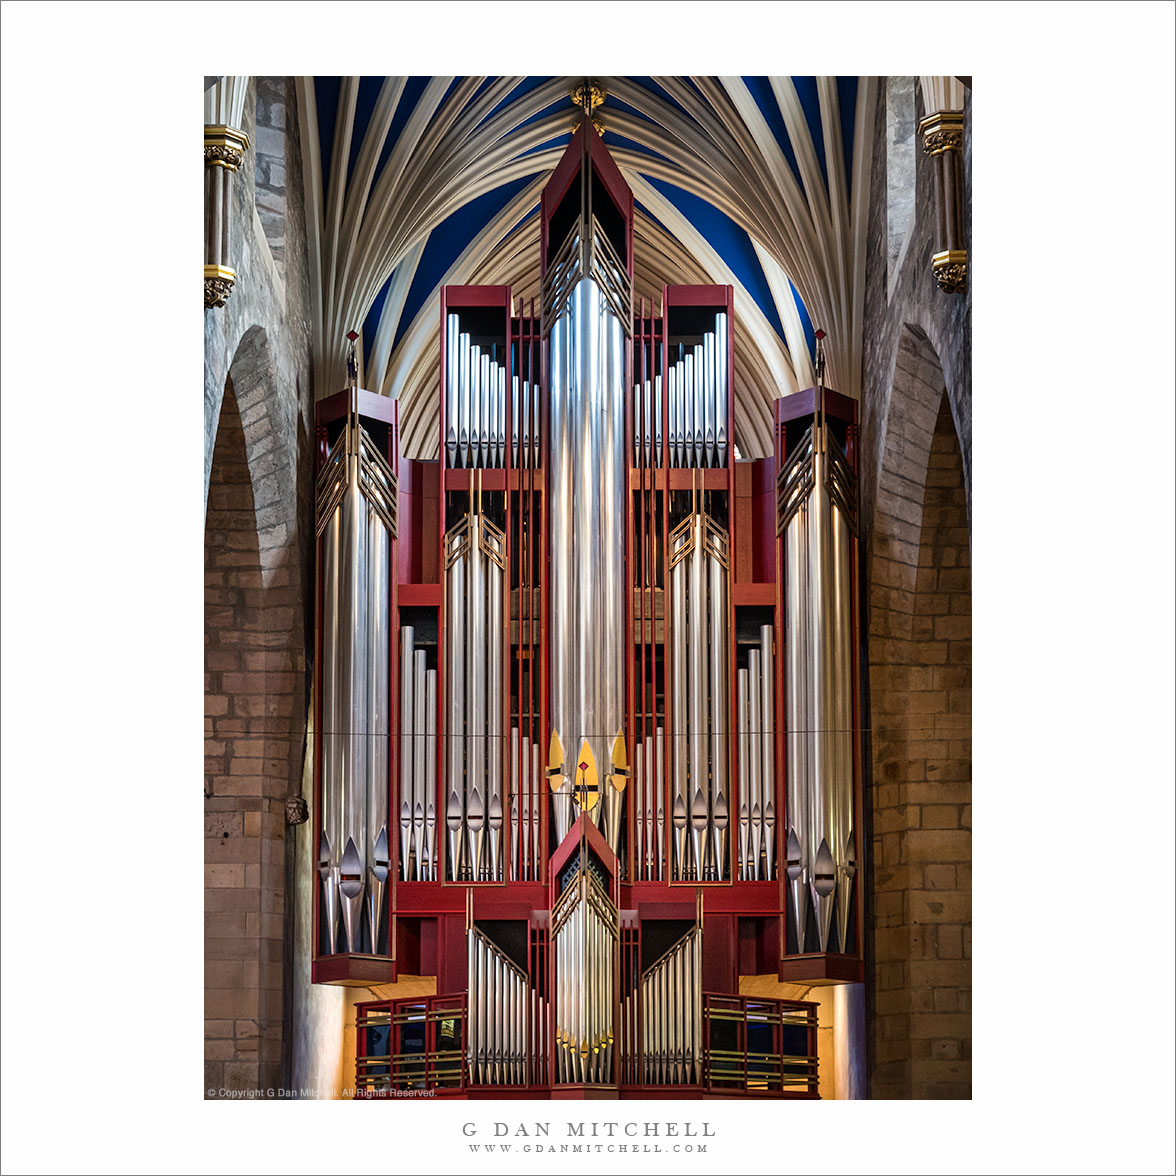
(218, 285)
(942, 131)
(225, 147)
(951, 270)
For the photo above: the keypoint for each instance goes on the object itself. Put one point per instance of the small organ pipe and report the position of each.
(407, 749)
(419, 704)
(744, 777)
(768, 747)
(431, 775)
(660, 803)
(452, 367)
(710, 394)
(721, 388)
(465, 397)
(755, 752)
(516, 815)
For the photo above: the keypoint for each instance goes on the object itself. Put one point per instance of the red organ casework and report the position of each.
(588, 695)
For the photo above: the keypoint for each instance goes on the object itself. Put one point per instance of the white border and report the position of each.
(1073, 587)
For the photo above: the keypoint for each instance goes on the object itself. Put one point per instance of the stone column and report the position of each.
(943, 140)
(224, 149)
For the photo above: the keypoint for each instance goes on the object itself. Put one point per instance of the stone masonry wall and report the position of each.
(258, 539)
(916, 493)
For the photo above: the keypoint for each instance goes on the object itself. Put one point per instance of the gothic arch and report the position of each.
(920, 727)
(255, 668)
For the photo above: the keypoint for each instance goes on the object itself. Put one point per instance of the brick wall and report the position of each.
(920, 690)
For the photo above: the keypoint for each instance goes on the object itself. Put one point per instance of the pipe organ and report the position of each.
(586, 693)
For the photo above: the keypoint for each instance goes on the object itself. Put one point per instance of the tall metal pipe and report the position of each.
(333, 750)
(501, 423)
(744, 776)
(660, 805)
(721, 388)
(431, 775)
(477, 400)
(420, 705)
(353, 556)
(755, 752)
(452, 334)
(587, 481)
(680, 761)
(768, 746)
(495, 685)
(720, 699)
(842, 729)
(464, 396)
(407, 749)
(697, 662)
(710, 386)
(824, 688)
(518, 814)
(455, 681)
(378, 850)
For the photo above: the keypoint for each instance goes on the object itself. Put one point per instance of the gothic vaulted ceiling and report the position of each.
(418, 182)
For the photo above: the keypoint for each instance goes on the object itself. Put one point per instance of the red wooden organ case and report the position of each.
(474, 872)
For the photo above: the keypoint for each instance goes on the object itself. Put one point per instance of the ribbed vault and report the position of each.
(780, 163)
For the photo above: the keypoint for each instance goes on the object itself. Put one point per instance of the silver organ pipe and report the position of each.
(744, 732)
(721, 398)
(474, 652)
(502, 1046)
(488, 386)
(585, 934)
(515, 422)
(588, 474)
(709, 392)
(430, 855)
(419, 679)
(476, 399)
(671, 1015)
(700, 699)
(757, 760)
(407, 750)
(678, 695)
(516, 815)
(355, 507)
(418, 761)
(698, 400)
(464, 365)
(755, 751)
(817, 505)
(768, 748)
(475, 402)
(452, 382)
(495, 685)
(457, 550)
